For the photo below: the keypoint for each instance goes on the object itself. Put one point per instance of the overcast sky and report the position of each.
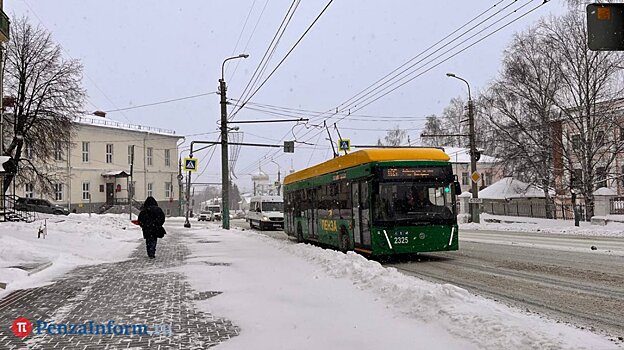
(144, 51)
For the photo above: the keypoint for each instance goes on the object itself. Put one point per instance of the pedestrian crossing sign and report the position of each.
(344, 144)
(190, 164)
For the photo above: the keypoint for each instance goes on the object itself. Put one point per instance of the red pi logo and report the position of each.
(21, 327)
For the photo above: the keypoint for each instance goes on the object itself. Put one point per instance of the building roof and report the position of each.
(462, 156)
(510, 188)
(113, 124)
(116, 173)
(3, 159)
(367, 156)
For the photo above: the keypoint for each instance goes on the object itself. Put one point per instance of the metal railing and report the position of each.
(112, 123)
(534, 210)
(616, 206)
(9, 212)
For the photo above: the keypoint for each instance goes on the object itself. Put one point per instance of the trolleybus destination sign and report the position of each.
(406, 173)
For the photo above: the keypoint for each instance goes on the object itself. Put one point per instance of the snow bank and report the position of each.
(71, 241)
(522, 224)
(305, 297)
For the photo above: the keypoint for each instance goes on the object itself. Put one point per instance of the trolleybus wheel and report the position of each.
(344, 240)
(299, 233)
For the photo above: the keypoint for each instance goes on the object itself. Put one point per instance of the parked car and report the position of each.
(40, 205)
(205, 215)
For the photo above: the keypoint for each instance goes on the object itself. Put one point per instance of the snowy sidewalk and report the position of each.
(135, 291)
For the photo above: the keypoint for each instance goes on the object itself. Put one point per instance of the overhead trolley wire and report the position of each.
(264, 60)
(283, 59)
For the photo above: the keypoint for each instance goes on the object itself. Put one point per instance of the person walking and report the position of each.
(151, 220)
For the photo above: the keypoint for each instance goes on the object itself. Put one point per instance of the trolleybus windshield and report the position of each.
(413, 203)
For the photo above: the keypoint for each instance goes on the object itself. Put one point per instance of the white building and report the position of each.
(487, 166)
(96, 165)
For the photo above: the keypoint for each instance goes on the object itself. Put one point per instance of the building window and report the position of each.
(150, 152)
(29, 190)
(85, 152)
(130, 154)
(601, 177)
(58, 151)
(167, 157)
(168, 212)
(28, 153)
(465, 179)
(488, 179)
(109, 153)
(150, 189)
(168, 190)
(58, 192)
(576, 142)
(577, 178)
(86, 191)
(600, 138)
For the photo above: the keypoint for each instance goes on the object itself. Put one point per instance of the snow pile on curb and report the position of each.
(485, 323)
(71, 241)
(537, 225)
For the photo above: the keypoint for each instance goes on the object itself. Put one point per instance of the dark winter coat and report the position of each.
(151, 219)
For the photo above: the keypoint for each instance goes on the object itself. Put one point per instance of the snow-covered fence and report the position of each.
(616, 206)
(533, 209)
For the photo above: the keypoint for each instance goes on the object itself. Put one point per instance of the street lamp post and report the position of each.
(279, 178)
(225, 176)
(473, 151)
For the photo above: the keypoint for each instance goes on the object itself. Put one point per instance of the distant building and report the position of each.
(487, 166)
(95, 166)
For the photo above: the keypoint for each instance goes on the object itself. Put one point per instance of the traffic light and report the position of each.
(605, 27)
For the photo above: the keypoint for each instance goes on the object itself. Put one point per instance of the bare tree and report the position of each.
(394, 137)
(521, 106)
(589, 101)
(47, 94)
(433, 127)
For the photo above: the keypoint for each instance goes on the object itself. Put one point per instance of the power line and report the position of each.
(161, 102)
(278, 34)
(242, 31)
(283, 59)
(250, 37)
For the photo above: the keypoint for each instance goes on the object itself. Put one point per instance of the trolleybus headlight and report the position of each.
(264, 218)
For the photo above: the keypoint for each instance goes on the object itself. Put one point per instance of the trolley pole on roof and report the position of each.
(473, 153)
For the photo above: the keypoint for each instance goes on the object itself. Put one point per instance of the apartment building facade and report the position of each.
(94, 167)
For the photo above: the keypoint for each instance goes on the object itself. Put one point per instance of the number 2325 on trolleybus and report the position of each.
(377, 201)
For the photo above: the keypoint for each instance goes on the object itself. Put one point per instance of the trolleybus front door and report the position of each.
(361, 210)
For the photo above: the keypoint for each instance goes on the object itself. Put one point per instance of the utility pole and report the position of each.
(131, 184)
(180, 188)
(473, 159)
(474, 207)
(187, 223)
(225, 173)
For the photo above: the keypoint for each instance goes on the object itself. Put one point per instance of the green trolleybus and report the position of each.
(377, 202)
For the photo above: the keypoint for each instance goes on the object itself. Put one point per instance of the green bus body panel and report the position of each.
(403, 240)
(414, 239)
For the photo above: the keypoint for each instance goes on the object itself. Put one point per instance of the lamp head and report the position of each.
(243, 55)
(450, 75)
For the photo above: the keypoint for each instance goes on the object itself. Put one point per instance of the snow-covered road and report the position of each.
(554, 275)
